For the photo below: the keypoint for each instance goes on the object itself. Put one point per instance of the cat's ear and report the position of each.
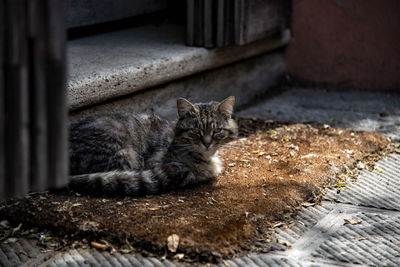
(184, 106)
(226, 106)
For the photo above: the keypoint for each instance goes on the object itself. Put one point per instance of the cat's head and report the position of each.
(205, 126)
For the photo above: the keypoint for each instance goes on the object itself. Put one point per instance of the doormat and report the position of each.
(270, 171)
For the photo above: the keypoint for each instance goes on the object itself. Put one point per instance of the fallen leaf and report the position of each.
(98, 245)
(76, 204)
(16, 229)
(179, 256)
(173, 242)
(260, 154)
(360, 165)
(352, 222)
(279, 224)
(156, 208)
(340, 185)
(307, 204)
(11, 240)
(125, 251)
(232, 164)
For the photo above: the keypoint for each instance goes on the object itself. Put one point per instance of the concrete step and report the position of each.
(112, 65)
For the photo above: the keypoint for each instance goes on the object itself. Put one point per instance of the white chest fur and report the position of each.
(216, 165)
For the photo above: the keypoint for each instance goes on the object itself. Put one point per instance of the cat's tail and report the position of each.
(128, 183)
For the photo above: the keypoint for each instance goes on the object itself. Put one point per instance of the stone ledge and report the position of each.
(246, 80)
(115, 64)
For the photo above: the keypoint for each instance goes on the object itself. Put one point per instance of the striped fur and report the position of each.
(142, 154)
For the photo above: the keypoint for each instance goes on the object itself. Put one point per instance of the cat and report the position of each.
(142, 154)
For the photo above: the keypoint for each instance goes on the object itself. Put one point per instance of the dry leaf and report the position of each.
(360, 165)
(179, 256)
(104, 245)
(98, 245)
(279, 224)
(173, 242)
(16, 229)
(352, 222)
(260, 154)
(307, 204)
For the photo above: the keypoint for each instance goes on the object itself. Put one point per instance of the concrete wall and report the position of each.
(350, 42)
(88, 12)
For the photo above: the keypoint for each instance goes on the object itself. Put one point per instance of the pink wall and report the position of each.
(352, 42)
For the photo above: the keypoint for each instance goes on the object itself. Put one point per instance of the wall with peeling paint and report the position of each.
(350, 42)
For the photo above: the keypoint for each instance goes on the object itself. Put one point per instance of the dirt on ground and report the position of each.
(270, 172)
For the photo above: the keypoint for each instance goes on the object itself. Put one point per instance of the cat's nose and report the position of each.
(207, 140)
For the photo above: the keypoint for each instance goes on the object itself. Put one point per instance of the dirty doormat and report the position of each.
(269, 173)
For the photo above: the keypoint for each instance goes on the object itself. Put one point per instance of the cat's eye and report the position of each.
(220, 133)
(193, 133)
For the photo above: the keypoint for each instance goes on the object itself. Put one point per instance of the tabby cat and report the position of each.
(142, 154)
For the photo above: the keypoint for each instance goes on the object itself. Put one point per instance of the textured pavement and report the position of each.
(359, 110)
(358, 226)
(321, 236)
